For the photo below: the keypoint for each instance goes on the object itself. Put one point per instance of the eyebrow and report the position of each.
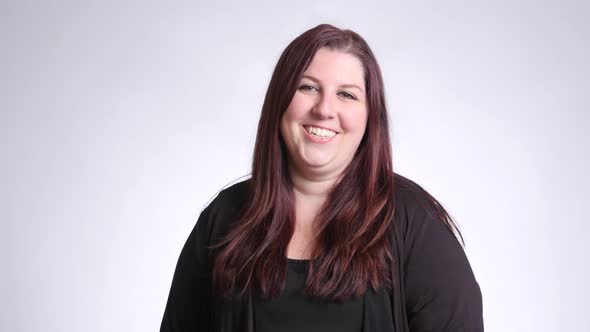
(342, 85)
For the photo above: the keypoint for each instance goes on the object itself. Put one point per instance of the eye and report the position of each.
(307, 88)
(347, 95)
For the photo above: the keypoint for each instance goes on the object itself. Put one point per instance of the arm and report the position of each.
(442, 293)
(188, 306)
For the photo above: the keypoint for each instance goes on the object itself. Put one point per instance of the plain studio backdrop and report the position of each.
(121, 120)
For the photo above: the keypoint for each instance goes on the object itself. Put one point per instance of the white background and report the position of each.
(120, 120)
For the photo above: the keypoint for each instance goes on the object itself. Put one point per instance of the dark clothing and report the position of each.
(434, 288)
(293, 312)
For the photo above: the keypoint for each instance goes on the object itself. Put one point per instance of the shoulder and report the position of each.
(411, 198)
(224, 208)
(233, 193)
(409, 193)
(416, 210)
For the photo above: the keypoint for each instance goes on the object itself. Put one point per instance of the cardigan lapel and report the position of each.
(236, 316)
(398, 307)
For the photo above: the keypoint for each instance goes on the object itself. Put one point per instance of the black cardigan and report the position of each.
(434, 288)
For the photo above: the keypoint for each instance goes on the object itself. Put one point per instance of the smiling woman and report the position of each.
(325, 236)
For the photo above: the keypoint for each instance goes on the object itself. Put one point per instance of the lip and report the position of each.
(316, 139)
(322, 127)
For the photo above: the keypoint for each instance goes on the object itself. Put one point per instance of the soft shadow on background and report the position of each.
(120, 120)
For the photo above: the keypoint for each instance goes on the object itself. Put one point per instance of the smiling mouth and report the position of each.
(320, 132)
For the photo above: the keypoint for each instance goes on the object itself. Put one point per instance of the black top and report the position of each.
(434, 288)
(292, 311)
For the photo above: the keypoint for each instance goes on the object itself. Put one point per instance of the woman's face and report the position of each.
(326, 119)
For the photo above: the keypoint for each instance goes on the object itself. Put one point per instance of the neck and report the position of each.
(311, 187)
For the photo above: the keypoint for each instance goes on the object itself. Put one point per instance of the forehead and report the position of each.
(333, 66)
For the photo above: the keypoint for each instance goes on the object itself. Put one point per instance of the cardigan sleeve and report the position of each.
(441, 292)
(188, 306)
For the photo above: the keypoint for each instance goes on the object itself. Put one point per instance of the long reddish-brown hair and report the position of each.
(352, 251)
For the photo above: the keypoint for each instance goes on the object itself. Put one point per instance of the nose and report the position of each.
(324, 108)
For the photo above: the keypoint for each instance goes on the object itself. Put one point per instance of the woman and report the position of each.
(324, 236)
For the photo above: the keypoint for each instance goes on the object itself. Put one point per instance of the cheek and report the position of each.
(297, 108)
(284, 128)
(354, 121)
(287, 125)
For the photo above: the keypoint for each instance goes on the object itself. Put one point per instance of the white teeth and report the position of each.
(320, 132)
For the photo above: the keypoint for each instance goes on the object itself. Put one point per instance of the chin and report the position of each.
(316, 162)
